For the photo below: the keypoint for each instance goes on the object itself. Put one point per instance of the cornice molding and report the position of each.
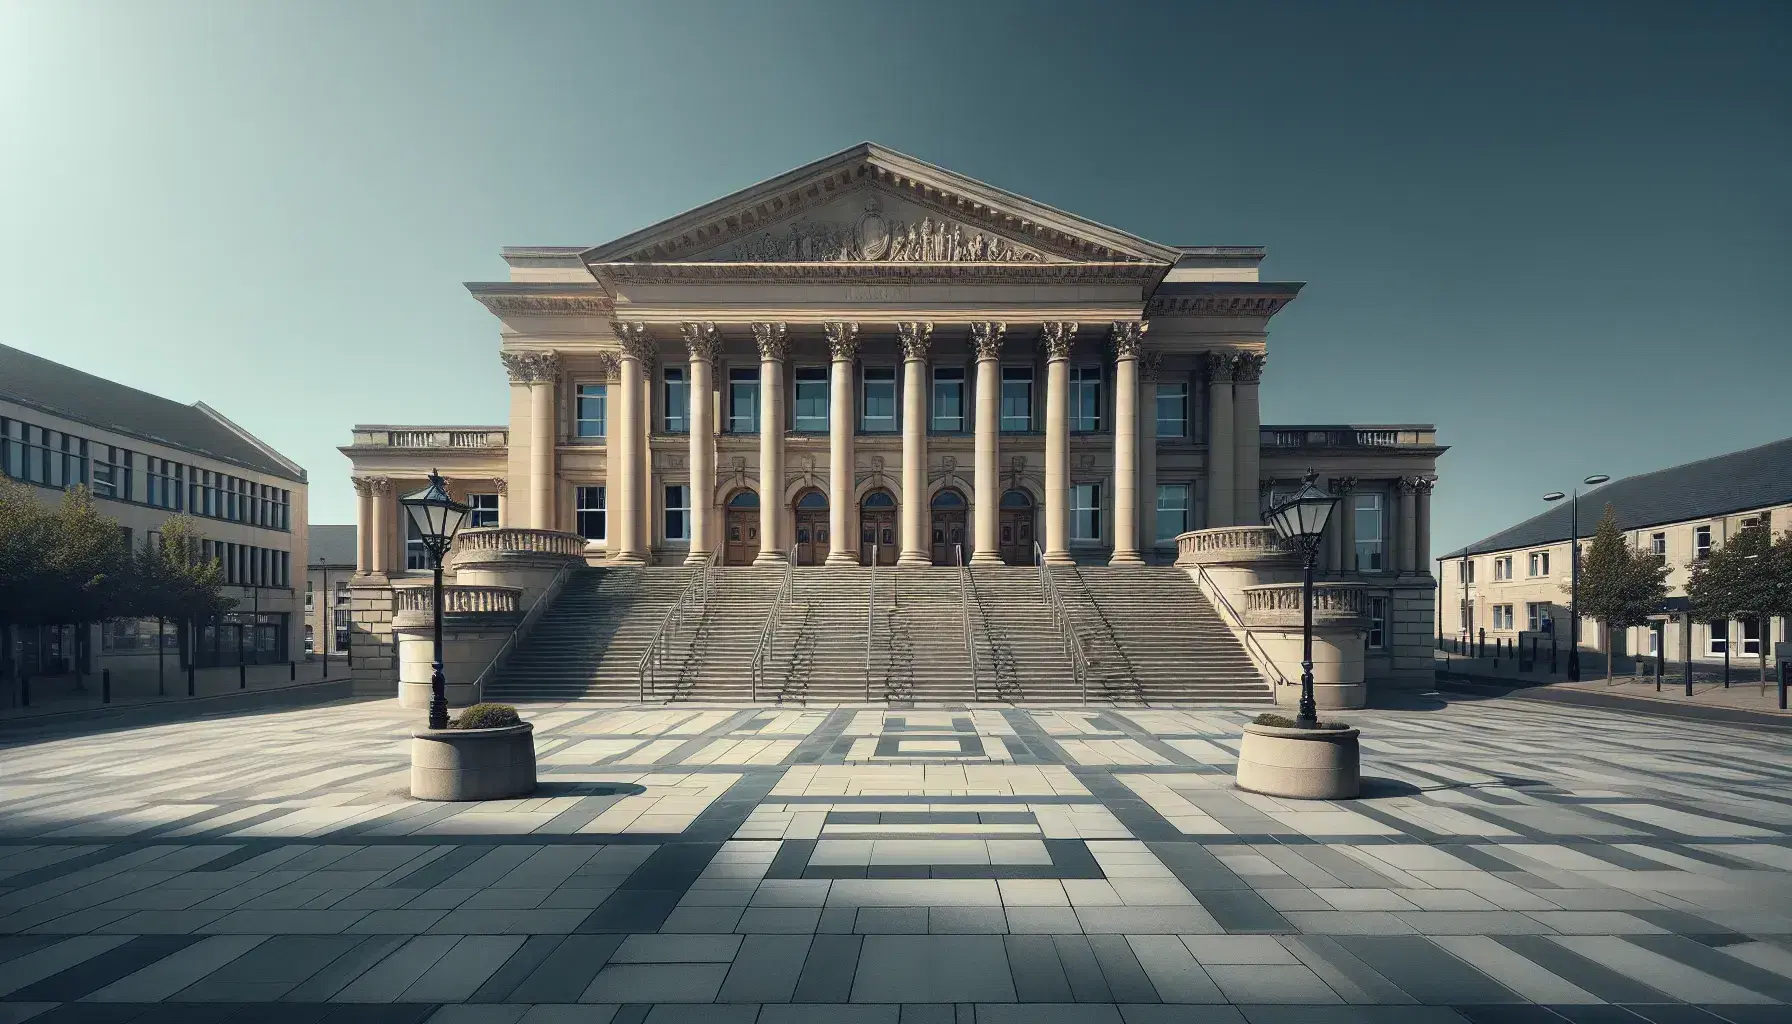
(882, 273)
(1220, 298)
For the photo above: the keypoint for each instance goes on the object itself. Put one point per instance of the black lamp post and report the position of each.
(1300, 521)
(1574, 572)
(437, 518)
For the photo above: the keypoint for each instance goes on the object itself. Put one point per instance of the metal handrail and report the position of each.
(964, 615)
(1113, 638)
(1235, 622)
(693, 597)
(1073, 644)
(870, 618)
(768, 633)
(542, 601)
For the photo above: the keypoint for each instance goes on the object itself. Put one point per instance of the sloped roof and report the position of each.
(1749, 479)
(332, 545)
(67, 392)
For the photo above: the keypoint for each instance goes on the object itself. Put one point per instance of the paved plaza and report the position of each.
(1512, 862)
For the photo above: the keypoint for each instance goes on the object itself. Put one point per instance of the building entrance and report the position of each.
(877, 529)
(741, 529)
(811, 528)
(1015, 533)
(948, 526)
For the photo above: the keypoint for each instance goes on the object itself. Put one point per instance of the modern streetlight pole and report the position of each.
(1574, 571)
(437, 518)
(1300, 521)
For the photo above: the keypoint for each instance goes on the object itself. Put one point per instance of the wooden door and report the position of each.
(1015, 536)
(877, 536)
(742, 534)
(811, 536)
(948, 533)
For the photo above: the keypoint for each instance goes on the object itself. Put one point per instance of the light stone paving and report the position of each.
(1511, 861)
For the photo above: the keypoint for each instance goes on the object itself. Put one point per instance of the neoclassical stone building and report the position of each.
(871, 358)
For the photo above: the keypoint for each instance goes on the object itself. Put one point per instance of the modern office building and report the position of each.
(1514, 581)
(145, 458)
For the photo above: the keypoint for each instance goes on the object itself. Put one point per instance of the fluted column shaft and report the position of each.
(643, 465)
(772, 340)
(914, 338)
(541, 455)
(1220, 452)
(1056, 337)
(1148, 370)
(363, 526)
(1126, 444)
(1246, 437)
(1404, 544)
(843, 345)
(704, 343)
(624, 531)
(986, 337)
(381, 549)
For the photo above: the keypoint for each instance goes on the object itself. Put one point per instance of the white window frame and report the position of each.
(1717, 638)
(585, 396)
(1745, 626)
(482, 510)
(1537, 564)
(675, 401)
(810, 378)
(1658, 544)
(1376, 638)
(868, 423)
(1536, 613)
(1502, 617)
(743, 381)
(1701, 543)
(678, 503)
(954, 377)
(1173, 518)
(1177, 425)
(1085, 378)
(580, 496)
(1465, 571)
(1014, 375)
(1085, 513)
(1502, 568)
(416, 555)
(1374, 548)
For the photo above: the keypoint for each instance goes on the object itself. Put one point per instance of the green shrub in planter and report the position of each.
(1275, 721)
(486, 716)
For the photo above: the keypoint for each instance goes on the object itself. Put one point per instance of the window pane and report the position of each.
(879, 402)
(1017, 398)
(678, 512)
(1085, 512)
(590, 512)
(743, 401)
(592, 399)
(1172, 410)
(1172, 510)
(1085, 399)
(812, 398)
(676, 401)
(1368, 532)
(948, 399)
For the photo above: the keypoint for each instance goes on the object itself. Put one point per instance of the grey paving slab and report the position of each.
(828, 972)
(1425, 971)
(766, 969)
(933, 968)
(1126, 979)
(566, 972)
(656, 983)
(1037, 972)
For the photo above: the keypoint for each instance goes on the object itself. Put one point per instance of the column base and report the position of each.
(697, 558)
(1126, 558)
(914, 560)
(1059, 558)
(628, 559)
(770, 558)
(842, 558)
(986, 558)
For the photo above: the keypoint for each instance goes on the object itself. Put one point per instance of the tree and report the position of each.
(89, 564)
(1749, 576)
(173, 579)
(1619, 586)
(25, 529)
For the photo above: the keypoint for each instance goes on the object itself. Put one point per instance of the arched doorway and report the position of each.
(947, 526)
(741, 529)
(877, 528)
(1015, 534)
(811, 527)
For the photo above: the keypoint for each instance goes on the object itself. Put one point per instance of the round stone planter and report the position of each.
(473, 764)
(1305, 764)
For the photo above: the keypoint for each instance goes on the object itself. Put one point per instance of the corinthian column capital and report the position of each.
(1217, 366)
(609, 366)
(531, 367)
(915, 336)
(703, 341)
(1247, 367)
(843, 339)
(1056, 337)
(773, 339)
(986, 337)
(362, 485)
(1127, 336)
(634, 339)
(1150, 366)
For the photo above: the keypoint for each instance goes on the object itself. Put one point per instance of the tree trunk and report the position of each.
(1607, 628)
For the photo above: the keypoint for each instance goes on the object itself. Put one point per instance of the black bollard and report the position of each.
(1481, 647)
(325, 674)
(189, 679)
(242, 676)
(105, 686)
(25, 690)
(292, 670)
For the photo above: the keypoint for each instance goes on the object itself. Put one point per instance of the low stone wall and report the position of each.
(507, 556)
(475, 623)
(373, 647)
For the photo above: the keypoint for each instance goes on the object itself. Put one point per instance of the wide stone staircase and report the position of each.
(1149, 636)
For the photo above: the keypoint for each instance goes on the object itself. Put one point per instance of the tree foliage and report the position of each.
(1748, 577)
(1619, 586)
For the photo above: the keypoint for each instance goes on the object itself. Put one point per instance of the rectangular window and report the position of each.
(1749, 523)
(589, 512)
(1368, 532)
(591, 403)
(1502, 616)
(483, 510)
(677, 401)
(743, 401)
(310, 595)
(1717, 638)
(678, 512)
(1085, 512)
(1538, 563)
(878, 401)
(948, 399)
(104, 485)
(1378, 611)
(1658, 544)
(416, 556)
(1654, 642)
(811, 399)
(1502, 568)
(1085, 399)
(1172, 410)
(1751, 635)
(1172, 511)
(1536, 616)
(1465, 571)
(1701, 543)
(1017, 399)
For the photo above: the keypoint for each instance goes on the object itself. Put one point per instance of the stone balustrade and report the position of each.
(1278, 605)
(431, 437)
(1368, 436)
(1230, 545)
(493, 540)
(458, 600)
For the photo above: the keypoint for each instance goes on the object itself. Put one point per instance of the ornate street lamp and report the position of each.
(1574, 572)
(1300, 521)
(437, 518)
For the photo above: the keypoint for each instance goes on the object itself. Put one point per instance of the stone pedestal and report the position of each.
(473, 764)
(1305, 764)
(475, 623)
(1272, 614)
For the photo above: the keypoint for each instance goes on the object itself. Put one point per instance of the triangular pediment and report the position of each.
(869, 204)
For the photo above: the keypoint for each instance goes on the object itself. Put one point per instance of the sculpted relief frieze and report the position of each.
(878, 231)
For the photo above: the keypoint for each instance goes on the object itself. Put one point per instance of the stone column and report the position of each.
(773, 341)
(1247, 369)
(986, 337)
(1149, 364)
(502, 486)
(914, 337)
(363, 525)
(1221, 505)
(540, 372)
(1332, 554)
(1345, 488)
(643, 467)
(843, 347)
(1422, 529)
(624, 492)
(705, 344)
(1403, 544)
(382, 524)
(1126, 337)
(1056, 337)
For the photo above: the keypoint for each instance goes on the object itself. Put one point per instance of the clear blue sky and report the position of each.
(1560, 231)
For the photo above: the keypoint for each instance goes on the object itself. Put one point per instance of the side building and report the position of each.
(1516, 580)
(146, 458)
(327, 574)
